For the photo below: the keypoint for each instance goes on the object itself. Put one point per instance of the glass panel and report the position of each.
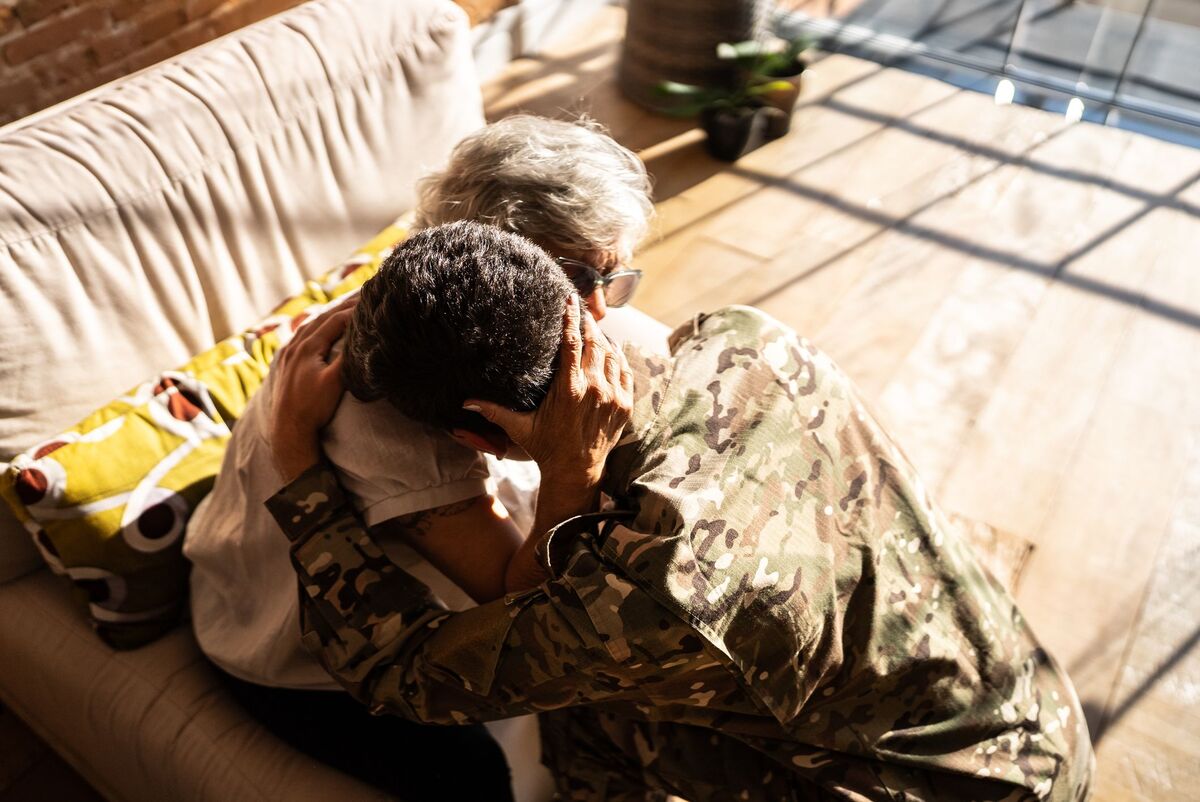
(1126, 62)
(1165, 64)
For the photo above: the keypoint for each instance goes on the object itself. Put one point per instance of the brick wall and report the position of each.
(51, 50)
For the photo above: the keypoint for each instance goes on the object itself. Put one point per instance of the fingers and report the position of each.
(571, 352)
(613, 359)
(517, 425)
(326, 383)
(332, 324)
(595, 346)
(320, 335)
(349, 300)
(605, 364)
(333, 370)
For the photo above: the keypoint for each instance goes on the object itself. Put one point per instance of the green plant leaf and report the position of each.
(676, 89)
(687, 100)
(739, 50)
(796, 47)
(768, 87)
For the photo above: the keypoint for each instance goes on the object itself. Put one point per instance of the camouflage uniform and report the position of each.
(776, 611)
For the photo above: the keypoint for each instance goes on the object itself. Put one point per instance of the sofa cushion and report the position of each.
(156, 216)
(107, 500)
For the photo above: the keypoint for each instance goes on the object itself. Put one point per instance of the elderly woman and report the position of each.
(439, 507)
(566, 186)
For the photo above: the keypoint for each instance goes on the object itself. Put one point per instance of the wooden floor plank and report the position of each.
(937, 390)
(1137, 485)
(872, 327)
(831, 147)
(684, 268)
(823, 217)
(573, 79)
(813, 216)
(820, 240)
(1049, 390)
(1149, 744)
(568, 68)
(953, 319)
(1074, 438)
(953, 376)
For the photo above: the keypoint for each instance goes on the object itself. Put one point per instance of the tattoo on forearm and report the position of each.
(417, 523)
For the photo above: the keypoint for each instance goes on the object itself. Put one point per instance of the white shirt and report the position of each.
(245, 609)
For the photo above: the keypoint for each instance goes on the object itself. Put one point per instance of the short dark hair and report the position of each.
(457, 311)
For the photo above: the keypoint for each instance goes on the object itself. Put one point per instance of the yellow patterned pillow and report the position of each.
(107, 500)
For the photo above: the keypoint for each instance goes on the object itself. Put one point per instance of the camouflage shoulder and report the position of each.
(734, 323)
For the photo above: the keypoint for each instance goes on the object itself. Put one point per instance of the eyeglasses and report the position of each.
(618, 286)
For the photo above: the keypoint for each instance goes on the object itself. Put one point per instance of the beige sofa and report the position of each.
(143, 222)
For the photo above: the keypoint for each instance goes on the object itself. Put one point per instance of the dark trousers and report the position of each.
(414, 762)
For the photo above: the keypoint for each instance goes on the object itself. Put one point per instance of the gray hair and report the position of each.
(565, 184)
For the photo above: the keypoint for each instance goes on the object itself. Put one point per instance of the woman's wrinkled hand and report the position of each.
(308, 389)
(584, 414)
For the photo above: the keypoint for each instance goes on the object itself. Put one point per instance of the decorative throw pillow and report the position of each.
(107, 501)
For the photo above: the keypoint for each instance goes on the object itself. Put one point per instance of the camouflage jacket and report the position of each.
(775, 573)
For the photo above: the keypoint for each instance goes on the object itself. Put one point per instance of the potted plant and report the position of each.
(762, 63)
(754, 108)
(735, 120)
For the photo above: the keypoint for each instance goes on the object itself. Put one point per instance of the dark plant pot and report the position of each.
(785, 99)
(732, 133)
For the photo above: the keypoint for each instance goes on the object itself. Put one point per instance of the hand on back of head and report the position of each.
(582, 417)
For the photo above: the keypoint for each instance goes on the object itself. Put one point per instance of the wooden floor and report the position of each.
(1020, 299)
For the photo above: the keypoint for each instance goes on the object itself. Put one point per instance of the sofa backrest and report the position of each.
(150, 218)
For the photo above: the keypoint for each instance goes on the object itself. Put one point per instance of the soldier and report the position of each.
(771, 607)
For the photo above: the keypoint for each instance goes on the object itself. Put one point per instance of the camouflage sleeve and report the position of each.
(380, 633)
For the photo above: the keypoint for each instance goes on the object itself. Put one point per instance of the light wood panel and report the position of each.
(1058, 455)
(1125, 523)
(1148, 746)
